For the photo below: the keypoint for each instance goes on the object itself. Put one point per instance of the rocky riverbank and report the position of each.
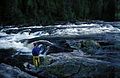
(7, 71)
(76, 51)
(89, 59)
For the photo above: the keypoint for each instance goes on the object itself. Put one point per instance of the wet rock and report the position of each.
(7, 71)
(17, 60)
(74, 65)
(89, 46)
(105, 43)
(6, 53)
(55, 46)
(116, 46)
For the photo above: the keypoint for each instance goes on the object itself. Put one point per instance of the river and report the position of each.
(21, 38)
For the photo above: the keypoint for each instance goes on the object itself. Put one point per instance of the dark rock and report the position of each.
(74, 65)
(7, 71)
(56, 47)
(105, 43)
(64, 47)
(6, 53)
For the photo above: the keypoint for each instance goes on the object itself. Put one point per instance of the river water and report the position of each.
(21, 38)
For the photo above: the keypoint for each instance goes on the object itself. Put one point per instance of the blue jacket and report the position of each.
(36, 51)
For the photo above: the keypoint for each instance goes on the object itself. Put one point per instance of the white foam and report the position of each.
(4, 44)
(18, 36)
(33, 27)
(3, 34)
(12, 40)
(86, 31)
(40, 33)
(25, 35)
(73, 25)
(89, 24)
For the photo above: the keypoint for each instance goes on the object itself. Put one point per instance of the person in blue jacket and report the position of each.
(35, 52)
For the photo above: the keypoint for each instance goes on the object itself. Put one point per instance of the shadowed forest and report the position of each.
(36, 12)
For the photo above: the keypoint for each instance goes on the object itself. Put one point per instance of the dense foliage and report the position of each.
(51, 11)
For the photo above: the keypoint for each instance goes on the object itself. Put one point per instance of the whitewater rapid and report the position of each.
(13, 40)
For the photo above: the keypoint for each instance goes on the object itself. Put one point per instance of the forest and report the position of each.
(44, 12)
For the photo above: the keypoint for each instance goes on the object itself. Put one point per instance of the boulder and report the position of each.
(55, 47)
(89, 46)
(6, 53)
(74, 65)
(7, 71)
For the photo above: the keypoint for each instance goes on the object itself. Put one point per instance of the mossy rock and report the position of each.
(45, 60)
(89, 46)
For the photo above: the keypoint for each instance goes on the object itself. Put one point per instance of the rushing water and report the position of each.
(16, 37)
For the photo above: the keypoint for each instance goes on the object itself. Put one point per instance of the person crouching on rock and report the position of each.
(35, 52)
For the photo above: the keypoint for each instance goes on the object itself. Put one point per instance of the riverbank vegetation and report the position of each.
(37, 12)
